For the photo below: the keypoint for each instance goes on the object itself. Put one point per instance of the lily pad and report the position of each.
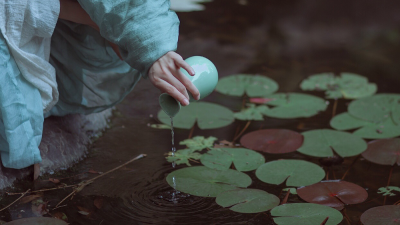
(253, 112)
(274, 141)
(347, 85)
(382, 215)
(205, 182)
(388, 190)
(376, 108)
(37, 221)
(200, 112)
(247, 200)
(305, 214)
(295, 105)
(252, 85)
(292, 191)
(322, 143)
(222, 158)
(333, 193)
(296, 173)
(183, 156)
(199, 142)
(383, 152)
(366, 129)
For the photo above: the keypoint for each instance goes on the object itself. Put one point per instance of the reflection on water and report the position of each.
(285, 40)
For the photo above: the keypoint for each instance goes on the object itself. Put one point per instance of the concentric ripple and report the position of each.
(156, 202)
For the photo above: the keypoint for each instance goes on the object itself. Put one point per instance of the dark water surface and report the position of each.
(285, 40)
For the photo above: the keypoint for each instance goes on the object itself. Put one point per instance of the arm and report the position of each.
(146, 33)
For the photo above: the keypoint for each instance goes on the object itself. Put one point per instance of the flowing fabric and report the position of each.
(21, 114)
(90, 76)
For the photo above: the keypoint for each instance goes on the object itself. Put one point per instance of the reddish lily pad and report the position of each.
(275, 141)
(383, 152)
(333, 193)
(382, 215)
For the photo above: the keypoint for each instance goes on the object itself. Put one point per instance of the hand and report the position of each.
(165, 74)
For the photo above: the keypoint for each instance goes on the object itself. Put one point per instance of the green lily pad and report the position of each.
(388, 190)
(295, 105)
(369, 130)
(183, 156)
(247, 200)
(382, 215)
(296, 173)
(200, 112)
(305, 214)
(205, 182)
(199, 142)
(376, 108)
(253, 112)
(252, 85)
(222, 158)
(348, 85)
(292, 191)
(322, 143)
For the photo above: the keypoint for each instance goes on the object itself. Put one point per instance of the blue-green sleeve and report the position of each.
(144, 30)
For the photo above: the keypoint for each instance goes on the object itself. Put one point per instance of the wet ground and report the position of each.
(285, 40)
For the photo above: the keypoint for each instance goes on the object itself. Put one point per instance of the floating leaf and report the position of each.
(252, 112)
(369, 130)
(183, 156)
(296, 173)
(295, 105)
(305, 214)
(321, 81)
(292, 191)
(206, 182)
(200, 112)
(382, 215)
(199, 142)
(247, 200)
(388, 190)
(260, 100)
(222, 158)
(348, 85)
(383, 152)
(376, 108)
(38, 221)
(274, 141)
(322, 143)
(29, 198)
(252, 85)
(333, 193)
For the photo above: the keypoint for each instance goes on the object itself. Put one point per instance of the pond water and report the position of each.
(285, 40)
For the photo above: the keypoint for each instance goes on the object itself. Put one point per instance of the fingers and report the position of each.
(182, 63)
(179, 62)
(166, 87)
(188, 84)
(175, 82)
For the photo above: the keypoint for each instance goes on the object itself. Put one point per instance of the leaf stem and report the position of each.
(388, 182)
(243, 130)
(351, 165)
